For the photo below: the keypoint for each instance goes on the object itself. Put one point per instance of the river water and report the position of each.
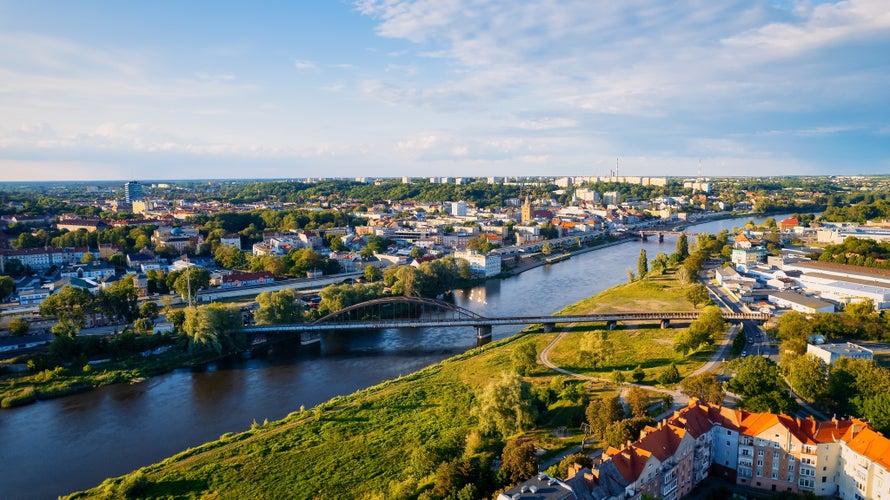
(58, 446)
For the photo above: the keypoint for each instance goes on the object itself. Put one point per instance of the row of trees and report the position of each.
(296, 262)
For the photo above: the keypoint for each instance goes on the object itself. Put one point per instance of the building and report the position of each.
(829, 353)
(459, 208)
(89, 225)
(236, 280)
(132, 192)
(41, 259)
(798, 302)
(526, 211)
(487, 265)
(748, 257)
(772, 452)
(231, 240)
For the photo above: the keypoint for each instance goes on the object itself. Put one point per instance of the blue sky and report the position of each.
(214, 89)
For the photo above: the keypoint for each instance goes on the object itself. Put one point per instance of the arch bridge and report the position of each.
(416, 312)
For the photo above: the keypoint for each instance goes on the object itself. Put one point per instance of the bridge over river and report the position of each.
(415, 312)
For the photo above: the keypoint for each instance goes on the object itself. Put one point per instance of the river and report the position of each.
(58, 446)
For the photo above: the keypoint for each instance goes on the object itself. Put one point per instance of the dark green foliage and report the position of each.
(638, 374)
(669, 375)
(758, 381)
(518, 461)
(525, 358)
(18, 326)
(603, 412)
(706, 387)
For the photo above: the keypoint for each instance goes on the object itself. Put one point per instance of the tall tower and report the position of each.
(133, 191)
(527, 209)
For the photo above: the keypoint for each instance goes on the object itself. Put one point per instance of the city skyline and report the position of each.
(459, 88)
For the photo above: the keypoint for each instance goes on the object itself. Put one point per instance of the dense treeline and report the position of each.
(857, 207)
(849, 386)
(858, 252)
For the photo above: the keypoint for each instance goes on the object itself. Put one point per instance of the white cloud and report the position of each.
(305, 65)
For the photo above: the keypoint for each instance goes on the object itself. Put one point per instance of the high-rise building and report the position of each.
(133, 191)
(459, 208)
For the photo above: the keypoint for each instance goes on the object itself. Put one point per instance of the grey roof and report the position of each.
(803, 300)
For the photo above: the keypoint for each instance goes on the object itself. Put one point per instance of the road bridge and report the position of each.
(414, 312)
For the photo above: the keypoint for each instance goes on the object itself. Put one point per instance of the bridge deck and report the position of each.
(512, 320)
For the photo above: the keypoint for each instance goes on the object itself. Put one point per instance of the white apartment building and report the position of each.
(484, 264)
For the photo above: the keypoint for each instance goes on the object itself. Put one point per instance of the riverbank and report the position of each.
(393, 435)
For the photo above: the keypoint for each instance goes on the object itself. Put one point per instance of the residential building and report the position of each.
(236, 280)
(772, 452)
(132, 191)
(829, 353)
(89, 225)
(482, 264)
(231, 240)
(459, 208)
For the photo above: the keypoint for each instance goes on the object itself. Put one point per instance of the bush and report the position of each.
(19, 326)
(669, 375)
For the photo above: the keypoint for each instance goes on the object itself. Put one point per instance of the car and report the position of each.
(751, 341)
(744, 353)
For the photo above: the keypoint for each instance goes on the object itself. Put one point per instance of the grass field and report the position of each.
(362, 445)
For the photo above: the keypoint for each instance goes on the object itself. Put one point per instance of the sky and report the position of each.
(110, 90)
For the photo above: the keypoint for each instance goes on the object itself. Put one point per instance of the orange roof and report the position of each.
(630, 461)
(871, 444)
(662, 442)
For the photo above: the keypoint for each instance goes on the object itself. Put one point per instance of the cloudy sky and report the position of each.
(215, 89)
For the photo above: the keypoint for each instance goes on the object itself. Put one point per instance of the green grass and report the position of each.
(360, 445)
(662, 293)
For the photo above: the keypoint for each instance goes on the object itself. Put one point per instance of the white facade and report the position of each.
(829, 353)
(485, 264)
(459, 208)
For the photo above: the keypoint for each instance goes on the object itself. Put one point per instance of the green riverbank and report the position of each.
(390, 440)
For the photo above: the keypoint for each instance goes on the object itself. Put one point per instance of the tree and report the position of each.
(506, 406)
(758, 381)
(630, 276)
(603, 412)
(336, 244)
(682, 250)
(861, 311)
(149, 310)
(669, 375)
(642, 264)
(622, 431)
(192, 277)
(525, 358)
(638, 374)
(70, 306)
(7, 285)
(518, 460)
(372, 273)
(278, 307)
(808, 376)
(545, 249)
(683, 275)
(87, 258)
(18, 326)
(416, 253)
(638, 401)
(143, 325)
(120, 301)
(705, 387)
(698, 294)
(215, 326)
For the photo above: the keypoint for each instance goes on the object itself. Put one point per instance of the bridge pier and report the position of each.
(661, 237)
(548, 327)
(610, 325)
(483, 335)
(665, 323)
(309, 338)
(644, 236)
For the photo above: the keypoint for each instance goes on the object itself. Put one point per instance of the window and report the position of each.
(760, 462)
(729, 433)
(759, 453)
(824, 478)
(775, 474)
(790, 468)
(775, 455)
(727, 443)
(759, 472)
